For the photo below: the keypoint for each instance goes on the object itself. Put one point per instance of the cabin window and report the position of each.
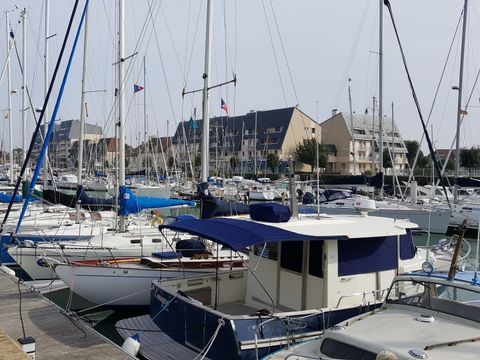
(315, 257)
(340, 350)
(135, 241)
(367, 255)
(156, 240)
(291, 257)
(270, 251)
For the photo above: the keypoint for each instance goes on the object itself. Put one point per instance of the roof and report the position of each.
(239, 234)
(70, 130)
(229, 129)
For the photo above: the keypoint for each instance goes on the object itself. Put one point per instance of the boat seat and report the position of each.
(95, 215)
(73, 216)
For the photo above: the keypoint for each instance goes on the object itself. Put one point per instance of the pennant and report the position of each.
(193, 123)
(137, 88)
(224, 106)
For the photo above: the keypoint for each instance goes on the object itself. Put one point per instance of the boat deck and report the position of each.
(56, 335)
(155, 344)
(237, 308)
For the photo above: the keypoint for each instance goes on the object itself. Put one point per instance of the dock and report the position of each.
(57, 335)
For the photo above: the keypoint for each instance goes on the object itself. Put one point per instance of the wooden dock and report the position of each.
(57, 336)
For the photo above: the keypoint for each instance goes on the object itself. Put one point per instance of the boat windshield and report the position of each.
(441, 297)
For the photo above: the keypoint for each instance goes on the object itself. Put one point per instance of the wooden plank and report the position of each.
(10, 349)
(56, 334)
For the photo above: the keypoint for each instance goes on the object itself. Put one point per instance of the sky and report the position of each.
(283, 54)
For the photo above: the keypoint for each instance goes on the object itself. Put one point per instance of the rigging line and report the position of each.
(274, 53)
(163, 70)
(179, 63)
(417, 104)
(194, 40)
(341, 85)
(37, 51)
(436, 94)
(186, 42)
(37, 128)
(284, 53)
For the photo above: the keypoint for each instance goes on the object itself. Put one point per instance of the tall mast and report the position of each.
(393, 151)
(145, 116)
(373, 136)
(24, 89)
(380, 93)
(45, 84)
(82, 114)
(9, 86)
(351, 126)
(255, 145)
(206, 86)
(121, 100)
(459, 106)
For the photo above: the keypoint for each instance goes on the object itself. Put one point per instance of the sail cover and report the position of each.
(239, 234)
(132, 204)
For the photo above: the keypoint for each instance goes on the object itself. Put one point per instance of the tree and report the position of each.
(387, 162)
(413, 147)
(198, 160)
(234, 162)
(306, 152)
(470, 158)
(272, 162)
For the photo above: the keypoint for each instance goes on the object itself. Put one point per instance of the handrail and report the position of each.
(363, 294)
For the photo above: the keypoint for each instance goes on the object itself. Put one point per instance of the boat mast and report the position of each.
(82, 116)
(459, 105)
(393, 151)
(373, 136)
(121, 100)
(380, 93)
(351, 126)
(206, 94)
(24, 89)
(45, 81)
(9, 86)
(145, 117)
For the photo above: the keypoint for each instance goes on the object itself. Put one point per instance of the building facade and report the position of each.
(61, 145)
(241, 144)
(357, 144)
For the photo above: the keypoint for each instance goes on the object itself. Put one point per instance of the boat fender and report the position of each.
(386, 355)
(131, 345)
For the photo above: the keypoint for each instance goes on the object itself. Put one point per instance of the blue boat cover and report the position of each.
(270, 212)
(239, 234)
(5, 198)
(132, 204)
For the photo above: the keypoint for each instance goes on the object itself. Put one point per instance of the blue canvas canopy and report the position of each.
(239, 234)
(132, 204)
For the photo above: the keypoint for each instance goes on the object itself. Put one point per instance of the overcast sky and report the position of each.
(284, 53)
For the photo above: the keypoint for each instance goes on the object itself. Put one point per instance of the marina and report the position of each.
(134, 228)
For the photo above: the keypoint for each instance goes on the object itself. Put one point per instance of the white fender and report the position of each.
(131, 345)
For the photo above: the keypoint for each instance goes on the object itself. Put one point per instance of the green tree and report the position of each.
(198, 160)
(272, 162)
(387, 162)
(234, 162)
(470, 158)
(413, 147)
(306, 152)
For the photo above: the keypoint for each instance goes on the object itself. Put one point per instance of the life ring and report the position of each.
(157, 220)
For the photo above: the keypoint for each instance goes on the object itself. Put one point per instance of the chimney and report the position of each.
(334, 112)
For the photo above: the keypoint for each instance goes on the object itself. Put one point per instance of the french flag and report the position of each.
(224, 106)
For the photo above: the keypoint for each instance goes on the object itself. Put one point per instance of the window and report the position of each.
(267, 251)
(315, 257)
(340, 350)
(291, 257)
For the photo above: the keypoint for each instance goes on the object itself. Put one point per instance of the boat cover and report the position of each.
(6, 198)
(132, 204)
(239, 234)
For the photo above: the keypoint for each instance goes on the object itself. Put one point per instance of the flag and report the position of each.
(463, 112)
(193, 124)
(137, 88)
(224, 106)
